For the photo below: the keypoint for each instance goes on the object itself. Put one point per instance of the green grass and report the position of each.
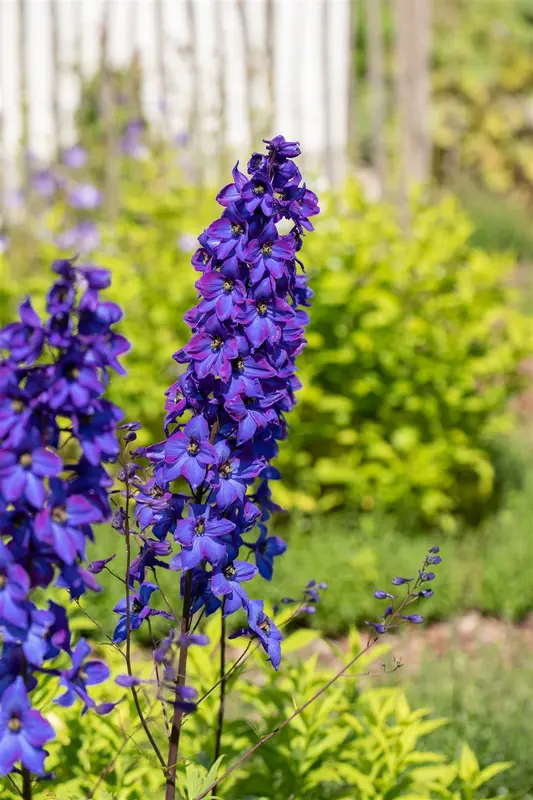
(500, 224)
(487, 697)
(486, 568)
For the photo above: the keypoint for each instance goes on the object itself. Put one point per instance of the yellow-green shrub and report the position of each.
(414, 344)
(414, 351)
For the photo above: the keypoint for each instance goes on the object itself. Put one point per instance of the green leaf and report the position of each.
(468, 765)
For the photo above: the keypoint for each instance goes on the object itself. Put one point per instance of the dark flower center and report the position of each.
(264, 626)
(240, 364)
(62, 294)
(137, 606)
(228, 285)
(3, 581)
(262, 307)
(267, 249)
(236, 229)
(59, 514)
(204, 257)
(248, 401)
(193, 447)
(199, 528)
(259, 189)
(229, 571)
(14, 724)
(25, 460)
(18, 520)
(17, 406)
(82, 675)
(73, 373)
(157, 491)
(225, 469)
(217, 343)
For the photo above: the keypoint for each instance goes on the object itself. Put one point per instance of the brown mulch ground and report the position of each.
(470, 634)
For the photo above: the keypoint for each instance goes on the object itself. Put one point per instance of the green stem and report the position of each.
(138, 708)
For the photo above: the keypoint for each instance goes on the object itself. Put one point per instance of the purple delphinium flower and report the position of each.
(233, 471)
(53, 373)
(82, 674)
(84, 196)
(14, 587)
(199, 533)
(226, 583)
(44, 182)
(189, 453)
(23, 731)
(139, 604)
(268, 634)
(266, 548)
(225, 413)
(75, 156)
(82, 238)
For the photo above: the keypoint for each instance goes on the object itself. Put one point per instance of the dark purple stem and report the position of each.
(222, 703)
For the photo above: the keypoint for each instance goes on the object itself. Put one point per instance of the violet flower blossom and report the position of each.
(53, 375)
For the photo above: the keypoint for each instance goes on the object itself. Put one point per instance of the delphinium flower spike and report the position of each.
(210, 480)
(52, 381)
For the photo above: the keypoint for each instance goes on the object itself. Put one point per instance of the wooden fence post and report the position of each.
(108, 121)
(352, 144)
(56, 88)
(270, 32)
(376, 88)
(23, 91)
(412, 72)
(326, 91)
(160, 36)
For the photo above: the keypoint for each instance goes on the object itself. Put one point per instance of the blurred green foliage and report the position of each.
(414, 345)
(348, 743)
(482, 84)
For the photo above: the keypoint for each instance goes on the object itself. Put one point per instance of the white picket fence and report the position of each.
(201, 50)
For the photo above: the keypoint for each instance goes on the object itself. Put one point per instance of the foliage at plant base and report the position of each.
(482, 83)
(347, 744)
(414, 346)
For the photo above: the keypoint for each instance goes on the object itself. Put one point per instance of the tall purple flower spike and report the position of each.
(226, 411)
(53, 375)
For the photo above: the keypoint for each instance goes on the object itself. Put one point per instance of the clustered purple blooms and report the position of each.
(226, 412)
(415, 591)
(52, 381)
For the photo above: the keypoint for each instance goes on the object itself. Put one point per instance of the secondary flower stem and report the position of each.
(175, 732)
(221, 707)
(159, 682)
(286, 722)
(371, 642)
(127, 534)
